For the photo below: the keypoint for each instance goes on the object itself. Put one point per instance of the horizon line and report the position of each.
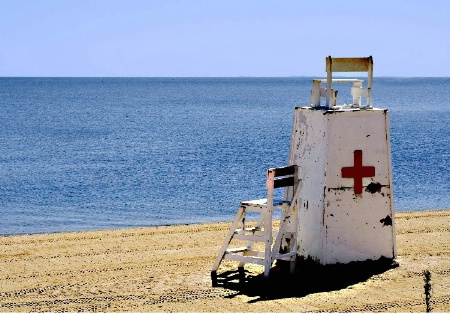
(202, 77)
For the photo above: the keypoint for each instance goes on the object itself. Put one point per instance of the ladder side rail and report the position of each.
(268, 222)
(292, 211)
(228, 238)
(295, 202)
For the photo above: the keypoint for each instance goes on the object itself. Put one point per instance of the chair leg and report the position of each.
(268, 234)
(267, 260)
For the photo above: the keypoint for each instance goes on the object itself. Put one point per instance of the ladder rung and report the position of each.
(254, 208)
(243, 258)
(285, 256)
(249, 237)
(253, 229)
(237, 249)
(246, 251)
(282, 206)
(254, 253)
(253, 232)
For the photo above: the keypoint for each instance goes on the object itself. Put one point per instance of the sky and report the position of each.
(226, 38)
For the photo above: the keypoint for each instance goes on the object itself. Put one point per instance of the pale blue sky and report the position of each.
(191, 38)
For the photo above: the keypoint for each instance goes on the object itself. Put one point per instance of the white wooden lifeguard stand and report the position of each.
(343, 156)
(338, 206)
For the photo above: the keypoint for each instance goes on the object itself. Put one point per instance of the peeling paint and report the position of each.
(341, 188)
(374, 187)
(387, 221)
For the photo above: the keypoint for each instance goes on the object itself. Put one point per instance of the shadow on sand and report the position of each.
(308, 278)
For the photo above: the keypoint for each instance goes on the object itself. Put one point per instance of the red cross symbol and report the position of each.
(358, 172)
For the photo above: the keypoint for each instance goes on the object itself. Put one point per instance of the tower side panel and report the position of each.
(358, 225)
(308, 151)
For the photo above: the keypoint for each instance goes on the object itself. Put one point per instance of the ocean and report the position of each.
(102, 153)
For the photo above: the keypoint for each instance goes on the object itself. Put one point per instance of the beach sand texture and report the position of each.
(162, 269)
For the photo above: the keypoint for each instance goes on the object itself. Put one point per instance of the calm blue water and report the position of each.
(97, 153)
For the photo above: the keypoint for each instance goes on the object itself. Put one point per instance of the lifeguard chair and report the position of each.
(357, 91)
(262, 232)
(338, 205)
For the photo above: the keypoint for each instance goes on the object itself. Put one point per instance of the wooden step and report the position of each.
(244, 258)
(250, 237)
(253, 229)
(246, 252)
(237, 249)
(250, 232)
(286, 256)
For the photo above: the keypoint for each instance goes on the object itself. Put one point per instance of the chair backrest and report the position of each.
(281, 177)
(349, 65)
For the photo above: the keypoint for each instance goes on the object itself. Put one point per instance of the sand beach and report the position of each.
(167, 269)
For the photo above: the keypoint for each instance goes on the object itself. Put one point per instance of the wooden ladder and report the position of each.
(263, 230)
